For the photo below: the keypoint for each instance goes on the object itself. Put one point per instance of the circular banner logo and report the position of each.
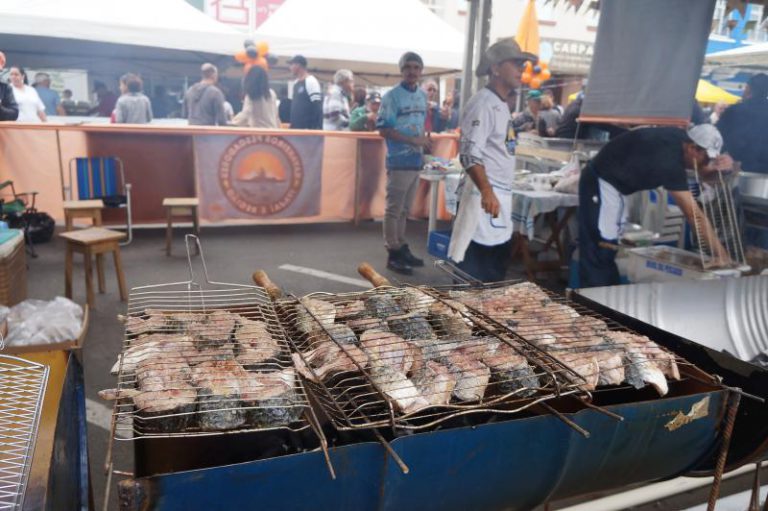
(261, 175)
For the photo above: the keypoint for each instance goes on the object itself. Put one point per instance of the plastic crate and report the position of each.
(437, 244)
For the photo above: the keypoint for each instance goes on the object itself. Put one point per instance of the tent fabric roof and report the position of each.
(754, 56)
(367, 38)
(166, 36)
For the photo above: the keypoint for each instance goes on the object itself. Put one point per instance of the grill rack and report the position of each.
(357, 390)
(569, 340)
(214, 350)
(22, 388)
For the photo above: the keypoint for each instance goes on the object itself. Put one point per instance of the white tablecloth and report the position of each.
(526, 205)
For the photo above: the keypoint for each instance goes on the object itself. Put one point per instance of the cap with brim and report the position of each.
(534, 94)
(298, 59)
(708, 138)
(374, 97)
(502, 51)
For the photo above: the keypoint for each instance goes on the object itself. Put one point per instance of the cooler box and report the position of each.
(437, 244)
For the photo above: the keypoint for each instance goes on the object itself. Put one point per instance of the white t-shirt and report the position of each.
(29, 104)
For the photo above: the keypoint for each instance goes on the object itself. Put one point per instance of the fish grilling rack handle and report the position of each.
(460, 275)
(371, 275)
(195, 241)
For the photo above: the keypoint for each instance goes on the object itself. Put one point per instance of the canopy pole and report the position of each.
(467, 82)
(483, 37)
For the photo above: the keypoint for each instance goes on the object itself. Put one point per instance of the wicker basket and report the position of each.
(13, 274)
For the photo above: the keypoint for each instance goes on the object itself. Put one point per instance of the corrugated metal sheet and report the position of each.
(724, 314)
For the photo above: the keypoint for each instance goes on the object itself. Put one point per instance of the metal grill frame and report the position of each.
(22, 390)
(336, 409)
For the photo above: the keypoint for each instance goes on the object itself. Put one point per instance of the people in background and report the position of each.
(49, 97)
(284, 107)
(31, 107)
(307, 101)
(744, 126)
(204, 102)
(106, 100)
(9, 109)
(363, 118)
(336, 104)
(162, 103)
(438, 116)
(548, 117)
(401, 122)
(527, 119)
(717, 112)
(132, 107)
(260, 103)
(358, 98)
(67, 102)
(480, 241)
(551, 94)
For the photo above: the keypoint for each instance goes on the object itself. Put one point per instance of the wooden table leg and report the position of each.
(68, 272)
(67, 221)
(119, 271)
(100, 273)
(96, 217)
(88, 278)
(168, 231)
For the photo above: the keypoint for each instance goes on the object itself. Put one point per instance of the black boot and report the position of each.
(410, 258)
(397, 263)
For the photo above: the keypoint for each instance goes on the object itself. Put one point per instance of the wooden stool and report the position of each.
(82, 209)
(93, 241)
(175, 207)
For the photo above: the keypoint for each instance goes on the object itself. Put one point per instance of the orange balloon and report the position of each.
(535, 82)
(526, 77)
(528, 66)
(242, 57)
(543, 65)
(545, 75)
(263, 48)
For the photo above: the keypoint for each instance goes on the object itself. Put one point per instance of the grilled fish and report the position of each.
(382, 305)
(166, 345)
(449, 321)
(472, 376)
(397, 387)
(313, 314)
(328, 359)
(435, 383)
(416, 301)
(410, 326)
(386, 348)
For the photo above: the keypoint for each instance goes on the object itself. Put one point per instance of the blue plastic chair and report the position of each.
(101, 177)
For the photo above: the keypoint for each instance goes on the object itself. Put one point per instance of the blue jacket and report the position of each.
(405, 111)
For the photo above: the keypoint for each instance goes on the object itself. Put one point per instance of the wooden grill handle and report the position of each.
(261, 278)
(372, 276)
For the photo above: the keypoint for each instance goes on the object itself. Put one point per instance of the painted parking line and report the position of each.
(326, 275)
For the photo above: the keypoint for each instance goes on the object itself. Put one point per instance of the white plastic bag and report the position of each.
(40, 322)
(570, 174)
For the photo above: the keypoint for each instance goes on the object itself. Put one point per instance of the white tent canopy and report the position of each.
(101, 35)
(753, 56)
(366, 36)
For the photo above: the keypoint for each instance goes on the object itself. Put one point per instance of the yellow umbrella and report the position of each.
(528, 30)
(710, 93)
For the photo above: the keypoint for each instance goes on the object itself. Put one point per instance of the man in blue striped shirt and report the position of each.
(401, 122)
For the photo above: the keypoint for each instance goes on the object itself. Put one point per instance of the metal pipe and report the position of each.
(730, 420)
(391, 452)
(583, 432)
(467, 85)
(483, 36)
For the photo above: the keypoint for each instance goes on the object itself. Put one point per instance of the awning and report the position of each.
(753, 56)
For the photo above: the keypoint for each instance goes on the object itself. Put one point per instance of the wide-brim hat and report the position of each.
(499, 52)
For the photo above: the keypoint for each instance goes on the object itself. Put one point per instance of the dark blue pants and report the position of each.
(597, 265)
(486, 264)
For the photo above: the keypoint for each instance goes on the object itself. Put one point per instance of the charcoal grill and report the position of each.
(22, 387)
(205, 359)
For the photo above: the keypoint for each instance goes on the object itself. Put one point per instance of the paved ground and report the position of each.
(232, 254)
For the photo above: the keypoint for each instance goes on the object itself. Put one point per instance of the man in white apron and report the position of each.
(482, 230)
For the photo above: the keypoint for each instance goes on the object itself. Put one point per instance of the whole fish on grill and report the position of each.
(165, 399)
(255, 344)
(416, 300)
(270, 398)
(510, 369)
(387, 348)
(312, 312)
(640, 370)
(219, 404)
(349, 310)
(328, 359)
(397, 387)
(472, 376)
(435, 382)
(135, 325)
(382, 305)
(410, 326)
(216, 328)
(449, 321)
(662, 358)
(436, 349)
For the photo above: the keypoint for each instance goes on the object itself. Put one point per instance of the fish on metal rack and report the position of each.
(387, 348)
(154, 346)
(341, 333)
(472, 376)
(397, 387)
(510, 369)
(164, 399)
(216, 328)
(416, 300)
(410, 326)
(349, 310)
(328, 359)
(360, 325)
(324, 314)
(255, 343)
(435, 382)
(212, 351)
(585, 365)
(382, 305)
(448, 319)
(135, 325)
(219, 404)
(270, 398)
